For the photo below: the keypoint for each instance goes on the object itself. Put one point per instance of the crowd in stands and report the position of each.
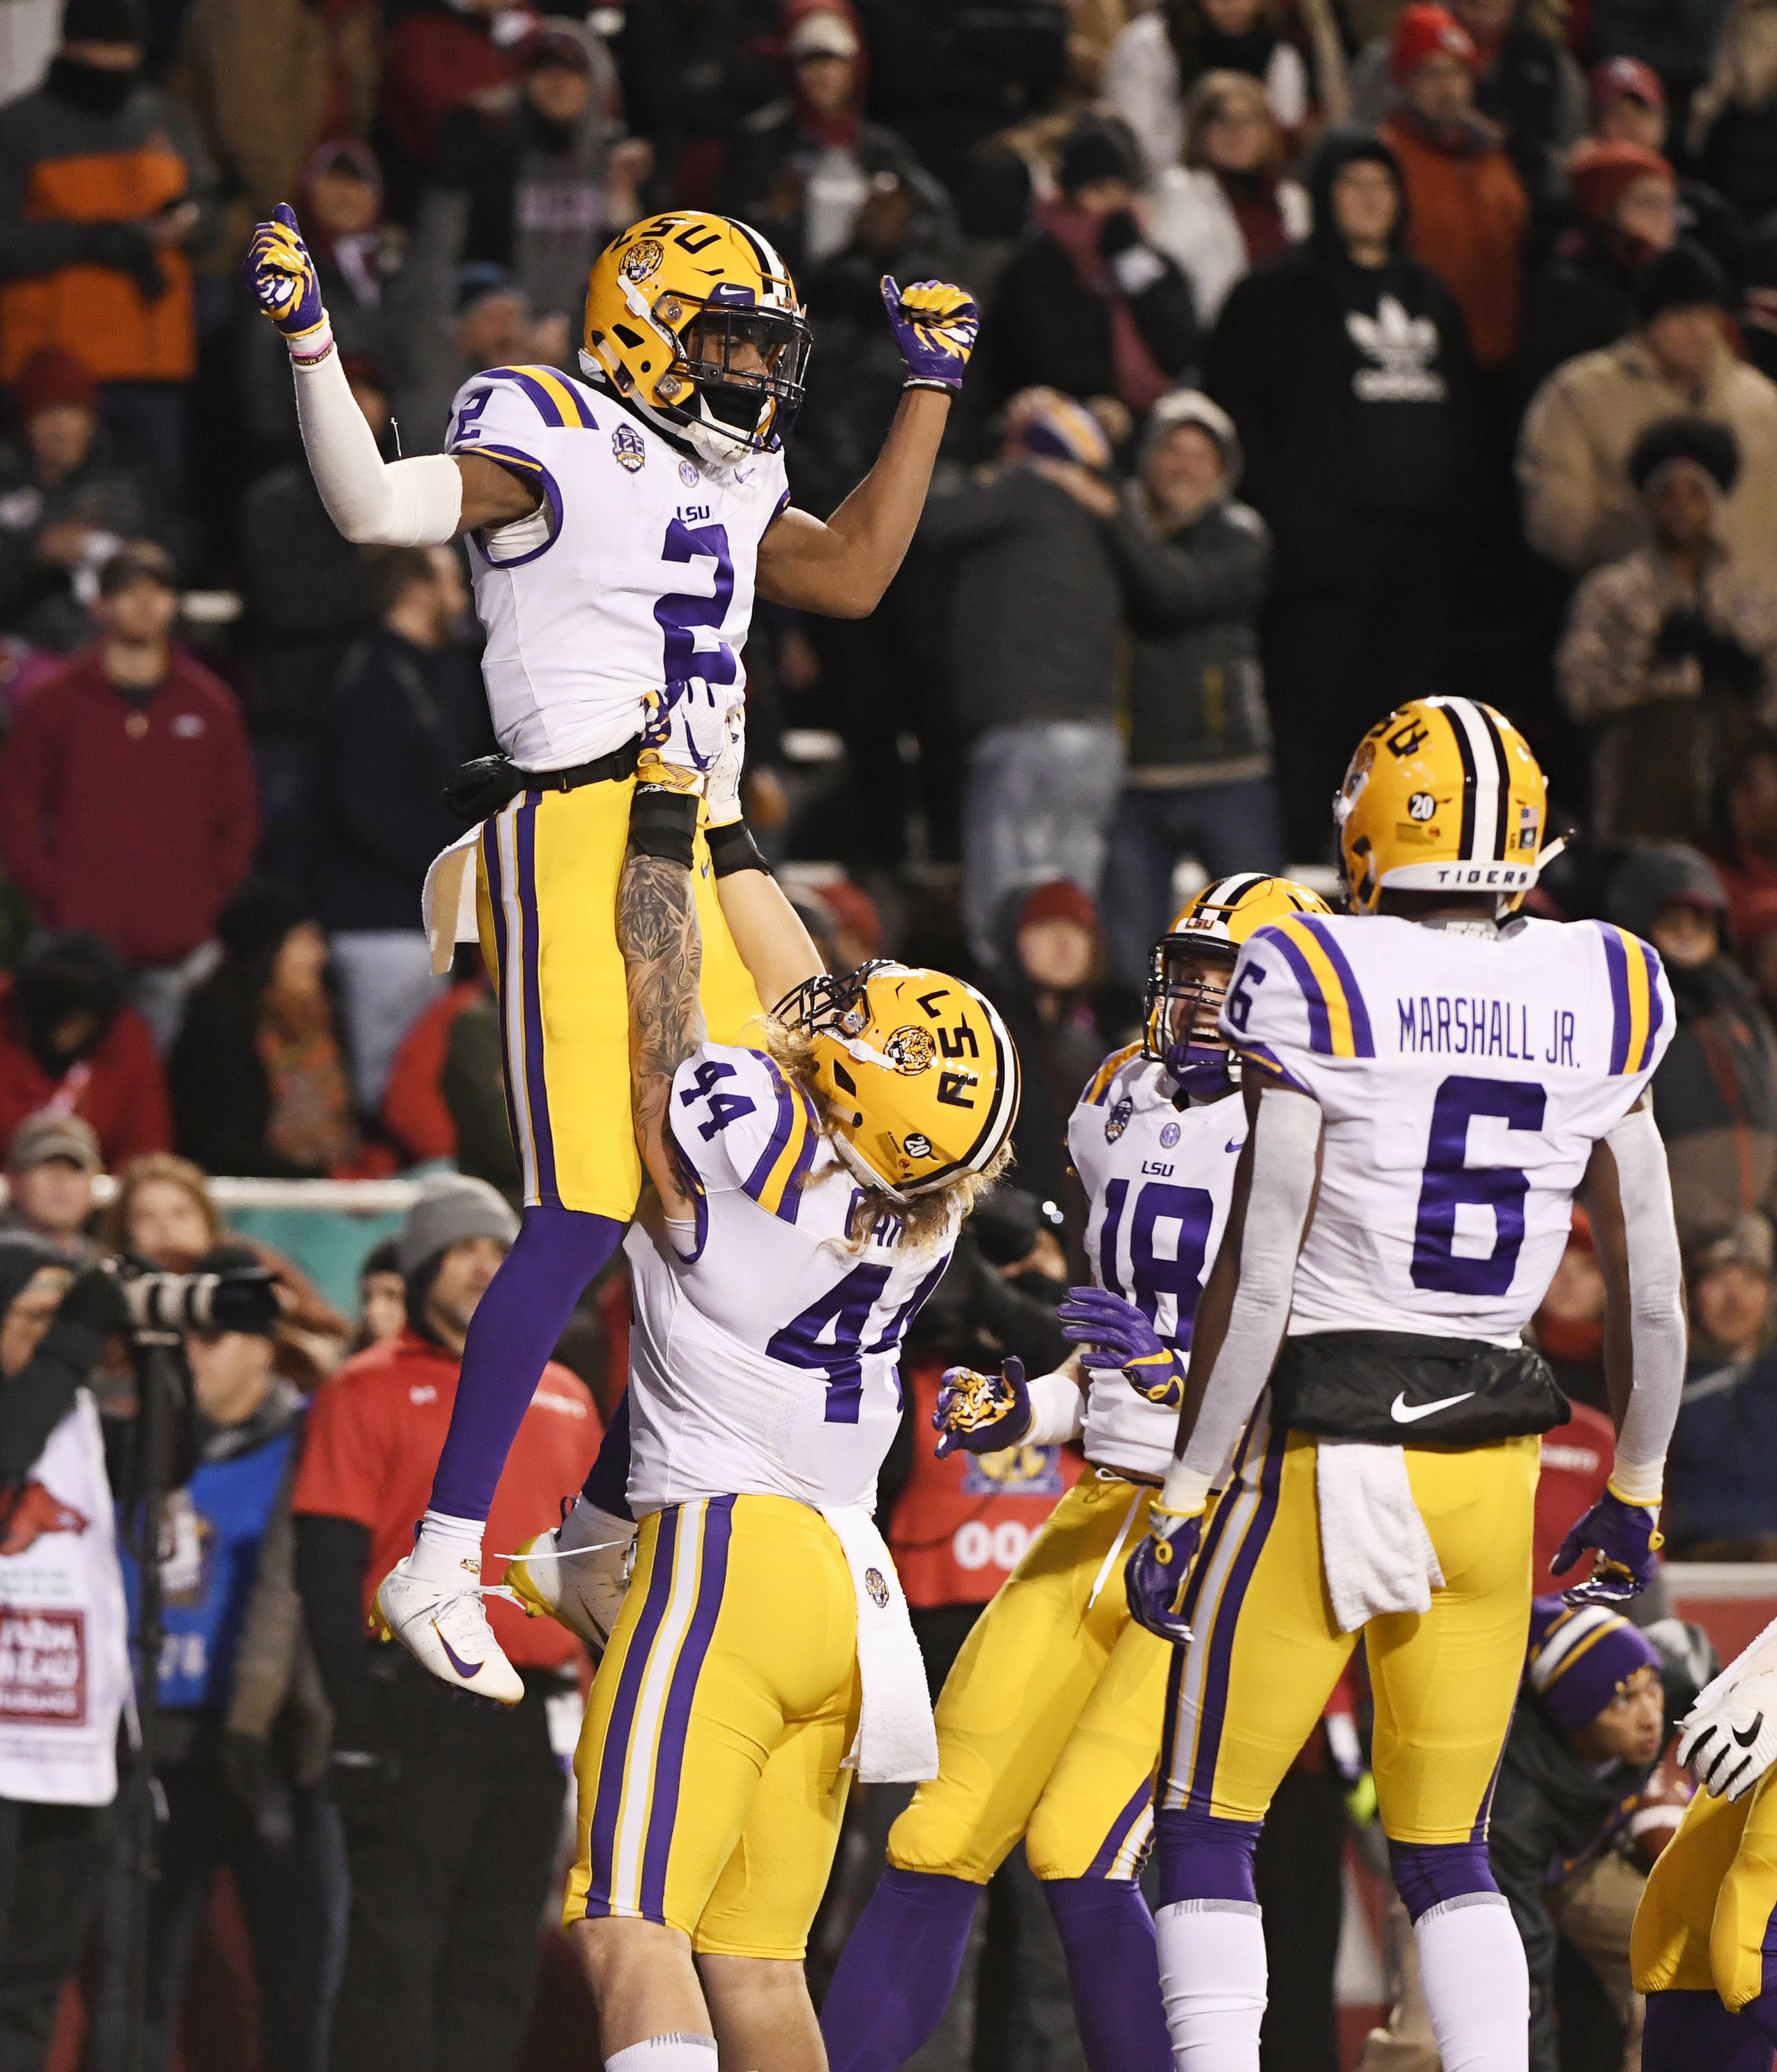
(1333, 351)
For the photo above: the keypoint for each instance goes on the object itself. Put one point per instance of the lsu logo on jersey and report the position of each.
(628, 448)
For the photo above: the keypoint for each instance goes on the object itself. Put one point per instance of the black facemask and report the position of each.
(95, 89)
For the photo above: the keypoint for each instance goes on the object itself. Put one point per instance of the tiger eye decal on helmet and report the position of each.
(1443, 795)
(920, 1077)
(1189, 969)
(693, 318)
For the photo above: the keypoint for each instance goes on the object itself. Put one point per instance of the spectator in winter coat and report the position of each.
(1194, 563)
(1033, 626)
(1744, 840)
(1629, 107)
(51, 1162)
(127, 801)
(415, 1111)
(1581, 509)
(1568, 1845)
(1715, 1093)
(408, 709)
(1670, 655)
(1526, 86)
(1346, 367)
(1466, 205)
(1731, 129)
(801, 169)
(104, 191)
(692, 71)
(1625, 204)
(69, 1044)
(259, 1076)
(436, 57)
(550, 177)
(1226, 206)
(66, 502)
(1089, 306)
(1721, 1504)
(1160, 57)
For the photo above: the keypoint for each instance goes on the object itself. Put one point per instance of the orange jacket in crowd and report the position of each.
(1466, 213)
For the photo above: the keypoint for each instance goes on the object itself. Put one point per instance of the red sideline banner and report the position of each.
(1732, 1601)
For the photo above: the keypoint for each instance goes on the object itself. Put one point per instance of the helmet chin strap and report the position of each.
(1205, 1071)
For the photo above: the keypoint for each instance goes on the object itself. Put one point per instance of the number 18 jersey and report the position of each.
(765, 1349)
(1463, 1079)
(634, 572)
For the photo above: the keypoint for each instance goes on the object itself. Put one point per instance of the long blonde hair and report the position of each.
(926, 1221)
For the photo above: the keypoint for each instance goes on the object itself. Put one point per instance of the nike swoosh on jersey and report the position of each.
(1238, 1142)
(1404, 1412)
(1751, 1734)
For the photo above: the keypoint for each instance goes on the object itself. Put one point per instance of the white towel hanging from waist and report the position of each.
(1375, 1551)
(897, 1742)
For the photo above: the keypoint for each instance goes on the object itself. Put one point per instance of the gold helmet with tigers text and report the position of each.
(1189, 969)
(918, 1074)
(1443, 795)
(693, 318)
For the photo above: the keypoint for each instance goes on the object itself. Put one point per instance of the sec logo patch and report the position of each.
(1169, 1137)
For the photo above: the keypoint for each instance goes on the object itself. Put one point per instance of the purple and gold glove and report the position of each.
(685, 731)
(935, 325)
(1625, 1538)
(1116, 1335)
(280, 277)
(982, 1413)
(1157, 1573)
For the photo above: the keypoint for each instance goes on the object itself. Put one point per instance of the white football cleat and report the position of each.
(580, 1585)
(446, 1630)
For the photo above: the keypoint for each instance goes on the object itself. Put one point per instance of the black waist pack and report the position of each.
(1393, 1388)
(475, 791)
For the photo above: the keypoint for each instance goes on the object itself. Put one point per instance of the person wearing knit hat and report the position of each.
(451, 1211)
(1596, 1678)
(1467, 207)
(1627, 184)
(1622, 85)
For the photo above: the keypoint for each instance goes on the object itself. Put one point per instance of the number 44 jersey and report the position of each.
(1160, 1177)
(634, 572)
(1463, 1078)
(765, 1351)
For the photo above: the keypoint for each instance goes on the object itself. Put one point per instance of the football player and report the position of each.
(1049, 1724)
(1430, 1079)
(619, 529)
(809, 1193)
(1707, 1924)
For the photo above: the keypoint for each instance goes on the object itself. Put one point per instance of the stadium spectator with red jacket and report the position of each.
(452, 1811)
(104, 190)
(128, 806)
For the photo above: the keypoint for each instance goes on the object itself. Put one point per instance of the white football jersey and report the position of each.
(1160, 1178)
(1464, 1079)
(635, 573)
(765, 1353)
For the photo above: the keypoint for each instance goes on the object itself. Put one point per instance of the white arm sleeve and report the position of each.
(1286, 1138)
(1656, 1307)
(1057, 1409)
(415, 502)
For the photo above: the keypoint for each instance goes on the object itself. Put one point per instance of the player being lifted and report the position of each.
(618, 527)
(1049, 1725)
(809, 1193)
(1429, 1080)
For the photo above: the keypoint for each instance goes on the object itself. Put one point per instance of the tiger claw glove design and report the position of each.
(981, 1413)
(684, 734)
(935, 326)
(1118, 1338)
(280, 277)
(1157, 1573)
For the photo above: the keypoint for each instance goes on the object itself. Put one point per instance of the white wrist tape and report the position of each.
(398, 503)
(1184, 1489)
(1656, 1308)
(1286, 1138)
(1057, 1410)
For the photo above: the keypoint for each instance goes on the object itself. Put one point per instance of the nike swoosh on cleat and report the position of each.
(1751, 1734)
(1404, 1412)
(455, 1660)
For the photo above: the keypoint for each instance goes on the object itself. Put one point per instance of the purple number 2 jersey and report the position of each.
(1463, 1079)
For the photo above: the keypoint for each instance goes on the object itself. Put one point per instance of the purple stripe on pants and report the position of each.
(537, 1091)
(490, 858)
(718, 1525)
(607, 1801)
(1103, 1865)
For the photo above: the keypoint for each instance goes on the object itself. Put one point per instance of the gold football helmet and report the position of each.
(1189, 969)
(693, 319)
(919, 1076)
(1443, 795)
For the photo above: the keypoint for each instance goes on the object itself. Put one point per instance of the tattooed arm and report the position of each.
(663, 957)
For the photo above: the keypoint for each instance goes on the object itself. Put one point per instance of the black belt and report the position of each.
(476, 789)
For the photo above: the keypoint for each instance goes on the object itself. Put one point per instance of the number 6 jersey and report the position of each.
(1463, 1079)
(635, 572)
(765, 1351)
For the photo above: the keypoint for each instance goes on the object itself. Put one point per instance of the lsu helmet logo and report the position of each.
(911, 1048)
(642, 261)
